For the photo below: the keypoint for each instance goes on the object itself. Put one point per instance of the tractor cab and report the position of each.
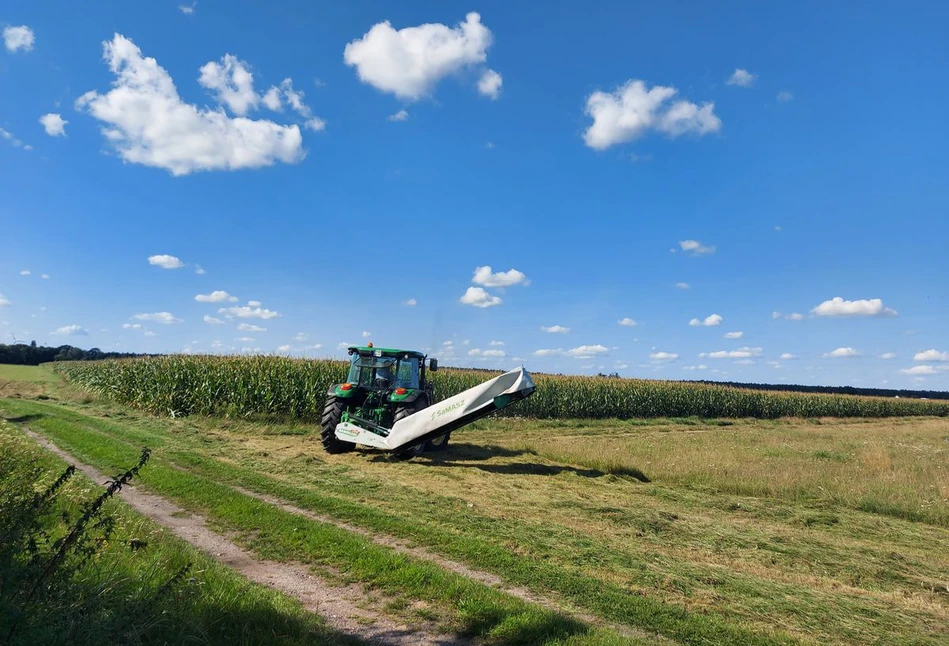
(385, 369)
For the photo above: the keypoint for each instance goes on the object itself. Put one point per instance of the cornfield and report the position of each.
(296, 388)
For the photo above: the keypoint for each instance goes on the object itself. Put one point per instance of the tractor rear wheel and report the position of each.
(332, 413)
(414, 450)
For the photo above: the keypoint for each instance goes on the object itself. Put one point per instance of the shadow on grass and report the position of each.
(23, 419)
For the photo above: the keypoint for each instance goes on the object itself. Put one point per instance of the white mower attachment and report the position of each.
(445, 416)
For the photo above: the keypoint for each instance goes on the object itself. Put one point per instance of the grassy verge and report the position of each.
(469, 607)
(139, 586)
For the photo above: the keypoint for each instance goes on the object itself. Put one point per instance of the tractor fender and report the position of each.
(336, 391)
(409, 398)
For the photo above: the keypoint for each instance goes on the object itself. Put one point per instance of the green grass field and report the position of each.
(693, 532)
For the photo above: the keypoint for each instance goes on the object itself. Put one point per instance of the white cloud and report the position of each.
(627, 322)
(131, 326)
(254, 303)
(490, 84)
(682, 285)
(555, 329)
(25, 272)
(931, 355)
(842, 353)
(13, 140)
(283, 349)
(787, 356)
(477, 352)
(217, 296)
(165, 318)
(483, 276)
(245, 339)
(44, 276)
(744, 362)
(701, 366)
(794, 316)
(212, 320)
(300, 337)
(496, 343)
(165, 261)
(919, 370)
(839, 307)
(709, 321)
(401, 115)
(785, 97)
(294, 99)
(631, 110)
(734, 335)
(741, 78)
(696, 248)
(411, 61)
(249, 327)
(888, 355)
(187, 9)
(663, 356)
(199, 270)
(477, 297)
(775, 315)
(248, 312)
(740, 353)
(148, 123)
(232, 84)
(366, 335)
(411, 302)
(548, 352)
(17, 38)
(587, 351)
(4, 302)
(54, 124)
(71, 330)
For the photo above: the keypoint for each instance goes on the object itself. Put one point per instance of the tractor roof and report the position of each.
(386, 352)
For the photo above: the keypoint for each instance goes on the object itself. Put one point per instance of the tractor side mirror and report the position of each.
(433, 364)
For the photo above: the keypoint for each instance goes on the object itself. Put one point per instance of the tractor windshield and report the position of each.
(398, 372)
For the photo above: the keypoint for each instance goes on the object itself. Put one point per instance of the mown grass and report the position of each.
(295, 389)
(465, 606)
(141, 585)
(692, 562)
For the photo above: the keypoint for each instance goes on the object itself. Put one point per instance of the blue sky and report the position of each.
(598, 159)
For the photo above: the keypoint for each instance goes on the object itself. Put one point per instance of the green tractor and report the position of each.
(384, 386)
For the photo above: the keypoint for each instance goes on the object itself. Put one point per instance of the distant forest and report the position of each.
(22, 354)
(835, 390)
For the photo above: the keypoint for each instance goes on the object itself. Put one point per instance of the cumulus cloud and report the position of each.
(740, 353)
(218, 296)
(840, 353)
(187, 9)
(165, 318)
(71, 330)
(734, 335)
(701, 366)
(663, 356)
(283, 349)
(682, 285)
(931, 355)
(401, 115)
(249, 327)
(587, 351)
(25, 272)
(18, 38)
(410, 62)
(794, 316)
(696, 248)
(919, 370)
(232, 83)
(54, 124)
(627, 322)
(741, 78)
(490, 84)
(709, 321)
(548, 352)
(4, 302)
(248, 312)
(254, 303)
(131, 326)
(366, 334)
(839, 307)
(212, 320)
(633, 109)
(477, 352)
(554, 329)
(787, 356)
(147, 122)
(888, 355)
(496, 343)
(785, 97)
(275, 97)
(484, 276)
(165, 261)
(411, 302)
(478, 297)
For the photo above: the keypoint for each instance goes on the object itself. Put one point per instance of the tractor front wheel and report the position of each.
(332, 414)
(414, 450)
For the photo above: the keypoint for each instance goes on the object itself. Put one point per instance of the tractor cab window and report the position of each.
(367, 370)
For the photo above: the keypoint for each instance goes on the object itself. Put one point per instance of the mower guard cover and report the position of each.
(445, 416)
